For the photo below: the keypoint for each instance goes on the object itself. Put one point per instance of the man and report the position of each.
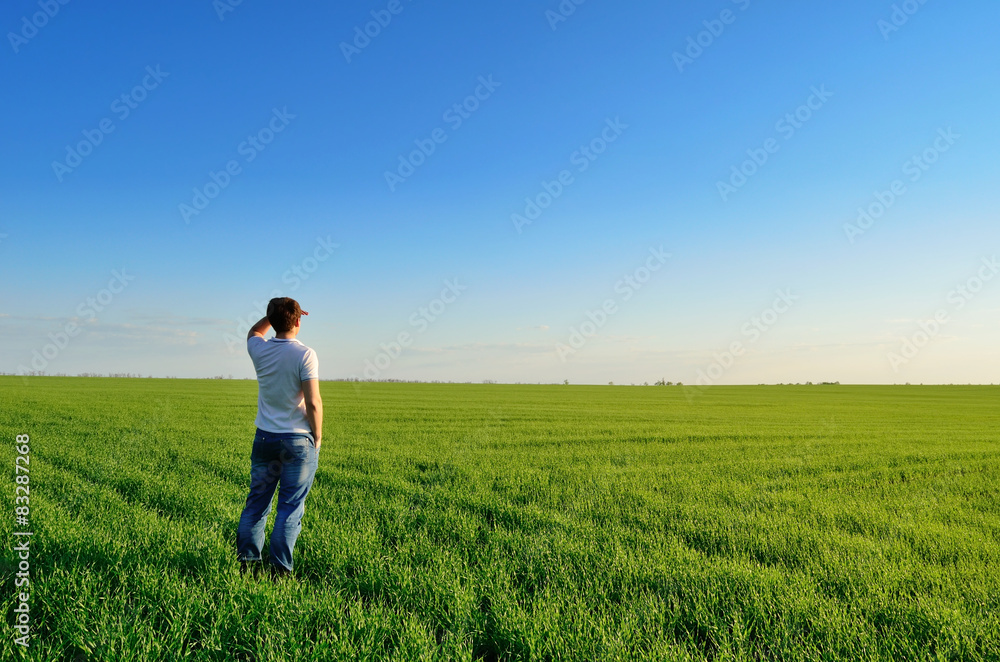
(289, 435)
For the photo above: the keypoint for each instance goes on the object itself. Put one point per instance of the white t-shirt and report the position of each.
(282, 365)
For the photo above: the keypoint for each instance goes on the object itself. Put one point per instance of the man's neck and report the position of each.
(285, 336)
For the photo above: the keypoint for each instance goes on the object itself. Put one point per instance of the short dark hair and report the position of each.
(283, 313)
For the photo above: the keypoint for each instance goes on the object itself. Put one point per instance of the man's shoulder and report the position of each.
(300, 350)
(285, 347)
(304, 348)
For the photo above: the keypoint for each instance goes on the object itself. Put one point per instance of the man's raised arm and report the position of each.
(259, 329)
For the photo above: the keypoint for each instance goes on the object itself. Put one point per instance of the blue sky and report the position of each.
(311, 118)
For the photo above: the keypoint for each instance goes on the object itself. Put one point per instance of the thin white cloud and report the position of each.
(180, 320)
(37, 318)
(143, 333)
(481, 347)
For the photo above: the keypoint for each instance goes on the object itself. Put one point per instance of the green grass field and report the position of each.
(516, 523)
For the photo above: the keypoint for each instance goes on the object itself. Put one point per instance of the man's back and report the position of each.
(282, 365)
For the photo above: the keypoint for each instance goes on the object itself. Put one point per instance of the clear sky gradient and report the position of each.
(577, 211)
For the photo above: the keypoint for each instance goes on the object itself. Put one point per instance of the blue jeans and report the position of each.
(288, 459)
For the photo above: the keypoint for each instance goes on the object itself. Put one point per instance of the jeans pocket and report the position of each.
(298, 448)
